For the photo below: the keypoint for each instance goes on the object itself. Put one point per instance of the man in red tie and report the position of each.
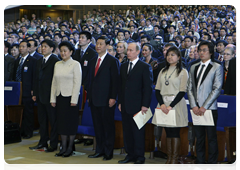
(221, 44)
(102, 92)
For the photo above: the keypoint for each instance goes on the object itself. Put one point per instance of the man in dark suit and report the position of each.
(41, 94)
(33, 48)
(8, 62)
(102, 94)
(134, 95)
(24, 71)
(185, 52)
(204, 86)
(85, 54)
(169, 36)
(133, 34)
(230, 85)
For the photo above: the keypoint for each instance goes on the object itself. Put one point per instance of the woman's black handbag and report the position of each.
(11, 132)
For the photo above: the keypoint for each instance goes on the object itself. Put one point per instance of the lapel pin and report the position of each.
(86, 52)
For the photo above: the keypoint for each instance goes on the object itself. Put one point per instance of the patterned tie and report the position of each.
(81, 53)
(220, 58)
(97, 67)
(19, 71)
(130, 68)
(199, 74)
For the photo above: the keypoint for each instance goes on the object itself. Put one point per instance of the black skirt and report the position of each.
(67, 116)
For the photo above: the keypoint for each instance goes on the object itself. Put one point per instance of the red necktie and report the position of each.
(97, 67)
(220, 58)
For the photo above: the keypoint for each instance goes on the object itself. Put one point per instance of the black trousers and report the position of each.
(28, 116)
(47, 113)
(134, 139)
(211, 132)
(104, 127)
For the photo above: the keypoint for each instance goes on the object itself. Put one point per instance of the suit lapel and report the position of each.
(103, 63)
(195, 74)
(206, 72)
(134, 68)
(26, 61)
(84, 55)
(47, 63)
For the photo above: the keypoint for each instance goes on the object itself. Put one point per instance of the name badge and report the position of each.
(85, 63)
(25, 69)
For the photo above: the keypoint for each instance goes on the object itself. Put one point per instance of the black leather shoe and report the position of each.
(126, 160)
(59, 154)
(88, 142)
(27, 136)
(107, 157)
(40, 146)
(67, 155)
(96, 155)
(139, 162)
(51, 149)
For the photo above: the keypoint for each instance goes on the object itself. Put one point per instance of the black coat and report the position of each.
(8, 67)
(104, 85)
(85, 61)
(136, 88)
(43, 79)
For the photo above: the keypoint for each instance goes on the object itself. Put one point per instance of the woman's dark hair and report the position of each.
(150, 47)
(210, 47)
(69, 45)
(179, 64)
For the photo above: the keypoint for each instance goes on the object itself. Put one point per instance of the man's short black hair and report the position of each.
(28, 44)
(35, 42)
(210, 47)
(146, 36)
(225, 43)
(172, 26)
(87, 34)
(69, 45)
(190, 37)
(50, 43)
(105, 38)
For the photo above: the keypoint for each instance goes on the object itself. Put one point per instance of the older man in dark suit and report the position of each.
(8, 62)
(41, 94)
(102, 94)
(204, 86)
(134, 96)
(24, 71)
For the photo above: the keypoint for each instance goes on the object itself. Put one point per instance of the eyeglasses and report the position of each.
(204, 50)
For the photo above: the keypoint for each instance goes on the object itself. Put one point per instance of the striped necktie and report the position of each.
(19, 71)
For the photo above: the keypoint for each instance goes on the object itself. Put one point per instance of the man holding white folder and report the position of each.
(134, 96)
(204, 87)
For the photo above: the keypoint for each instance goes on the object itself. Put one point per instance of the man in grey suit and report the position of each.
(204, 87)
(8, 62)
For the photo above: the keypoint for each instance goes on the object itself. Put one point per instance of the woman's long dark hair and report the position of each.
(179, 64)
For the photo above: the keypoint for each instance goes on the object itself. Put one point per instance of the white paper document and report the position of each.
(161, 118)
(205, 120)
(141, 119)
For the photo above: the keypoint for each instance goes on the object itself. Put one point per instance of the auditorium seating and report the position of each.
(13, 110)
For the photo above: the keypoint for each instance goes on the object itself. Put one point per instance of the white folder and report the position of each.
(205, 120)
(164, 119)
(141, 119)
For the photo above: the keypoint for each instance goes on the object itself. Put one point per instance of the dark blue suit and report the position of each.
(27, 78)
(135, 92)
(37, 55)
(102, 87)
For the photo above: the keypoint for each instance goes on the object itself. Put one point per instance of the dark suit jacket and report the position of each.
(136, 88)
(230, 85)
(8, 67)
(37, 55)
(43, 79)
(104, 85)
(87, 57)
(135, 36)
(27, 76)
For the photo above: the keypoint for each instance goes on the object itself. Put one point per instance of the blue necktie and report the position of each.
(19, 71)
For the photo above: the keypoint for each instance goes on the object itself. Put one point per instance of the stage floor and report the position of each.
(18, 156)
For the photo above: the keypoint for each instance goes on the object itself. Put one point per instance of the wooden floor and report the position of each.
(18, 156)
